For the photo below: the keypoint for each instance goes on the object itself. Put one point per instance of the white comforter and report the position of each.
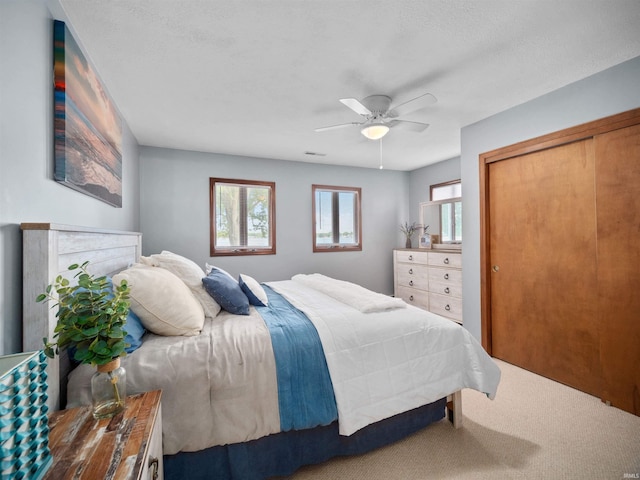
(390, 361)
(353, 295)
(220, 387)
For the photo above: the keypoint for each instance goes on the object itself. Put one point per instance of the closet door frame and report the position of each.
(569, 135)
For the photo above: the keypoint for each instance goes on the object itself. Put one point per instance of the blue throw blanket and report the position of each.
(305, 392)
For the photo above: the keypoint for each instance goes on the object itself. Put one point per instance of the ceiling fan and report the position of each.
(379, 116)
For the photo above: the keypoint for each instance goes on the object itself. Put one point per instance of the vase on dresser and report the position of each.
(92, 312)
(109, 389)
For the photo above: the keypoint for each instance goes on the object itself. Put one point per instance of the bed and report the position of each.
(314, 369)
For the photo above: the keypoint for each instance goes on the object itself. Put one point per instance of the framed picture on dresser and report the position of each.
(425, 241)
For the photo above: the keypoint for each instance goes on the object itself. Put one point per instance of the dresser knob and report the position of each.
(410, 257)
(411, 298)
(447, 308)
(446, 276)
(411, 271)
(446, 261)
(446, 290)
(411, 283)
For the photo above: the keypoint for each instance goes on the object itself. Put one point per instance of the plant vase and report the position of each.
(408, 243)
(108, 389)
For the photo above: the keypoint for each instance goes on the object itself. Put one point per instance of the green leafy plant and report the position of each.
(91, 317)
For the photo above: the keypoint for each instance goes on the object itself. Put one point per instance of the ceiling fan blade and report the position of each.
(356, 106)
(408, 125)
(333, 127)
(412, 105)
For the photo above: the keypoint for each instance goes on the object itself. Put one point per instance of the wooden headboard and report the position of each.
(47, 251)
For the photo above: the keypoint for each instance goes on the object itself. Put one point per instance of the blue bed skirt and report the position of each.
(285, 452)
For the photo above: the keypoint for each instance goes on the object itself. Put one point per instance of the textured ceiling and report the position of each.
(257, 77)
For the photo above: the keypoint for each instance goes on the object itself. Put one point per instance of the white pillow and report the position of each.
(190, 273)
(163, 302)
(253, 290)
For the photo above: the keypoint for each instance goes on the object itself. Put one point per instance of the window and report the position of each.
(336, 218)
(446, 191)
(450, 211)
(242, 217)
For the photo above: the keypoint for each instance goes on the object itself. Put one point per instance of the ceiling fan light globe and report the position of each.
(375, 131)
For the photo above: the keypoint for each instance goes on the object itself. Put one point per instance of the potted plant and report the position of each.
(409, 230)
(91, 318)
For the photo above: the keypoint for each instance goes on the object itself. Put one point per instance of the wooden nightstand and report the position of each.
(127, 446)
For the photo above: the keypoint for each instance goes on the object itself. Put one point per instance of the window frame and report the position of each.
(215, 251)
(444, 202)
(445, 184)
(337, 247)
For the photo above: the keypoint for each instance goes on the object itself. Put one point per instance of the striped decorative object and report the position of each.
(24, 427)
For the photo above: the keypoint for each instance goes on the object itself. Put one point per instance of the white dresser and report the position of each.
(430, 279)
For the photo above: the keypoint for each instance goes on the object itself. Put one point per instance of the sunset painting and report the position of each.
(88, 132)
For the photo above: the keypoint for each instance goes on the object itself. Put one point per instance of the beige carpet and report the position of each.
(534, 429)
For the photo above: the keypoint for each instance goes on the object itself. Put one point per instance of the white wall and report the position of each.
(609, 92)
(174, 214)
(28, 192)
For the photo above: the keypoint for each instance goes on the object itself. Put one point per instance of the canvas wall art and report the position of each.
(88, 131)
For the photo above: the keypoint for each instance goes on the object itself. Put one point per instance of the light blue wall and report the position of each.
(422, 178)
(174, 214)
(27, 191)
(172, 211)
(609, 92)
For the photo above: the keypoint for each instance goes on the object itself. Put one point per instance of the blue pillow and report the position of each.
(226, 291)
(133, 327)
(253, 290)
(135, 331)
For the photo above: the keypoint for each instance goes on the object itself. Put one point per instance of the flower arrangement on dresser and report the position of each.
(91, 318)
(409, 230)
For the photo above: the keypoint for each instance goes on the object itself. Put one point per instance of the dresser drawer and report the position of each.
(439, 259)
(431, 280)
(446, 306)
(447, 289)
(414, 297)
(447, 276)
(416, 276)
(410, 256)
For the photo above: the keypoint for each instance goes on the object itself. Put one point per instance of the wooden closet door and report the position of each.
(618, 212)
(542, 256)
